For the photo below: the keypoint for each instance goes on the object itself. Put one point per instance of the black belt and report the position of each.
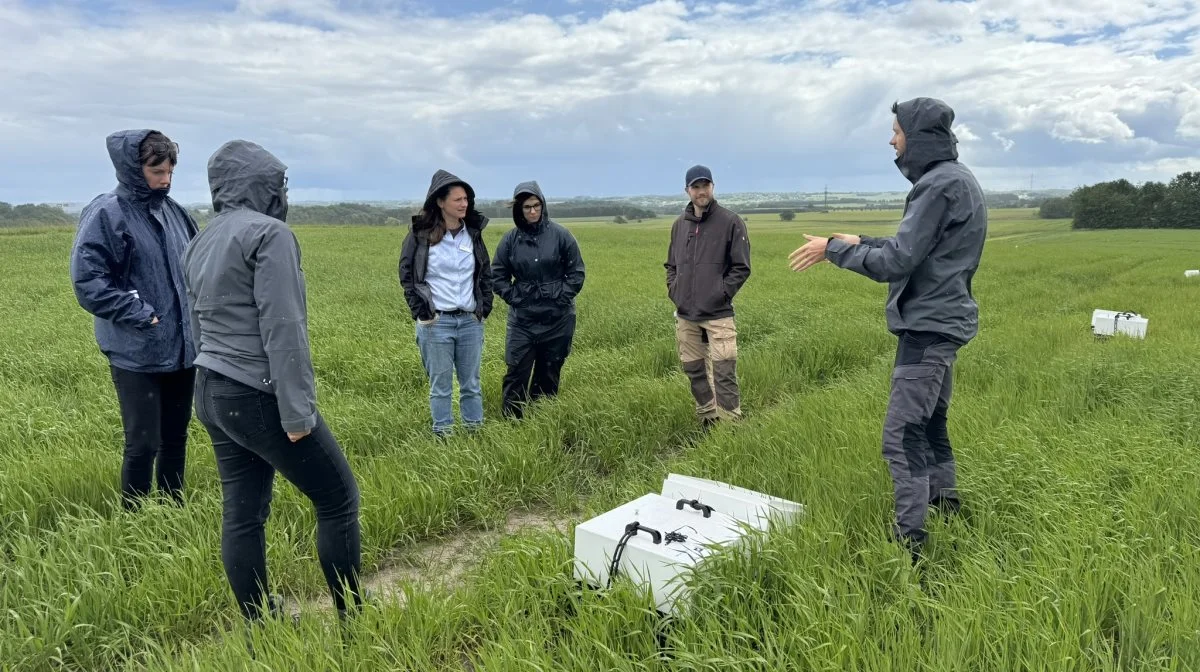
(454, 313)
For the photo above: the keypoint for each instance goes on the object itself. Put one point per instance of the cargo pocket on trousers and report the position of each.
(915, 389)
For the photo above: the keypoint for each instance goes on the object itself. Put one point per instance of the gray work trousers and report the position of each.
(916, 444)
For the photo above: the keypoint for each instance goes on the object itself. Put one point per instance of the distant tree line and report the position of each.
(1120, 204)
(363, 214)
(33, 215)
(587, 209)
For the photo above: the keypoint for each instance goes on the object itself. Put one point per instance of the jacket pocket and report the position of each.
(710, 284)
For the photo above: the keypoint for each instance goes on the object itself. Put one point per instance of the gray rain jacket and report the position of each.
(931, 260)
(246, 288)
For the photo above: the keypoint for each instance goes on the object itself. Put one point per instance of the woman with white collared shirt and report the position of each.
(445, 273)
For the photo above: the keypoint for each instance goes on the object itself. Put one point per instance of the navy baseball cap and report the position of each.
(696, 173)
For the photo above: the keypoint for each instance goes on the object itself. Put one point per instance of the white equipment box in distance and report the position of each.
(1109, 322)
(657, 556)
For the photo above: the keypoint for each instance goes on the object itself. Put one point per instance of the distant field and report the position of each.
(1080, 460)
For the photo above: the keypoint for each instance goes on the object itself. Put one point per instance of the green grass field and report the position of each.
(1079, 458)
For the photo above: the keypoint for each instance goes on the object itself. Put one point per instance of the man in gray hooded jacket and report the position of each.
(255, 392)
(929, 265)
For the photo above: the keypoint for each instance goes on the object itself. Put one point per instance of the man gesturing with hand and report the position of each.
(928, 265)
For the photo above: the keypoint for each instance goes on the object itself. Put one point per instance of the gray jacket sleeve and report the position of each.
(193, 317)
(899, 256)
(283, 324)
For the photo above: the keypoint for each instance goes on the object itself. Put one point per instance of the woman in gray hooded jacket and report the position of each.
(255, 389)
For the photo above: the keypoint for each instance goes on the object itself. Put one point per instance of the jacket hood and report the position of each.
(242, 174)
(123, 149)
(928, 139)
(522, 191)
(443, 178)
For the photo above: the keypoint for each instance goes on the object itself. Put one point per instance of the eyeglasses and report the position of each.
(531, 208)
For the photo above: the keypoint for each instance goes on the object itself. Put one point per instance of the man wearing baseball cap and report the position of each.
(708, 261)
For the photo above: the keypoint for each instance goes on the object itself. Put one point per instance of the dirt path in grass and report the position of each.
(444, 561)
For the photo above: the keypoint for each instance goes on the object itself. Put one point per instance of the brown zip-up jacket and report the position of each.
(708, 261)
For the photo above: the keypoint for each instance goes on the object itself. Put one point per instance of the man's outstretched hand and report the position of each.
(810, 254)
(813, 252)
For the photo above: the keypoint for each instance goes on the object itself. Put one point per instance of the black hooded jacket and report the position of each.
(537, 268)
(414, 253)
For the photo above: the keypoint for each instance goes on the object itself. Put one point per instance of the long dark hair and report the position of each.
(431, 215)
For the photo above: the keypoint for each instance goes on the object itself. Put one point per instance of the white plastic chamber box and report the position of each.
(660, 537)
(1110, 322)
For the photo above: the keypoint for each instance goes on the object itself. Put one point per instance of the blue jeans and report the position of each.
(452, 342)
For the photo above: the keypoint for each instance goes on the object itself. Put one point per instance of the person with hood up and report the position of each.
(538, 271)
(446, 277)
(255, 388)
(127, 272)
(928, 265)
(708, 261)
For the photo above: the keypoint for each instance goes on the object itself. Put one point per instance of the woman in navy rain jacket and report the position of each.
(127, 272)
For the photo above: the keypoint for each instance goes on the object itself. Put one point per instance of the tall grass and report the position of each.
(1079, 460)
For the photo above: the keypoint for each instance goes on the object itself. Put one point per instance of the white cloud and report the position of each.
(370, 99)
(964, 133)
(1189, 104)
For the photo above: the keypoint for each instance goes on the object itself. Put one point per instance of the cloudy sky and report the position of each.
(365, 99)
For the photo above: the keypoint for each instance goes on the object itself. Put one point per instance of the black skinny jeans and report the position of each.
(251, 446)
(155, 411)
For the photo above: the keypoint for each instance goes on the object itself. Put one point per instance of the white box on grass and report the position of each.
(1191, 274)
(1109, 322)
(661, 537)
(653, 554)
(753, 508)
